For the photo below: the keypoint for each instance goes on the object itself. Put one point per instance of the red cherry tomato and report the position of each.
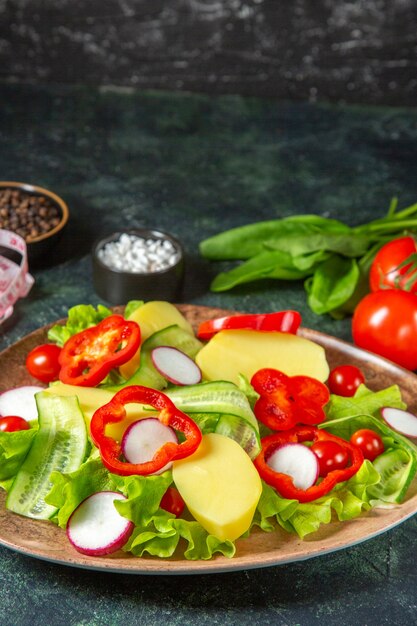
(12, 423)
(172, 502)
(42, 362)
(331, 456)
(385, 271)
(345, 379)
(369, 442)
(385, 322)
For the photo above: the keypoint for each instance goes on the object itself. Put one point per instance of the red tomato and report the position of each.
(42, 362)
(172, 502)
(345, 379)
(385, 322)
(385, 271)
(12, 423)
(369, 442)
(331, 456)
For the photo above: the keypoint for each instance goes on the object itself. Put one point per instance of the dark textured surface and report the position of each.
(194, 166)
(326, 50)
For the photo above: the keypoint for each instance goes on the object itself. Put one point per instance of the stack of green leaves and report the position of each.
(331, 257)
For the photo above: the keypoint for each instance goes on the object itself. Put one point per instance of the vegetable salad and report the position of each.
(279, 441)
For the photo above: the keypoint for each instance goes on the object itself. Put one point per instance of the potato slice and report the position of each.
(233, 352)
(220, 486)
(92, 398)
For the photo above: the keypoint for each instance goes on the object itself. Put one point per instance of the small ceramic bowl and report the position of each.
(38, 245)
(118, 285)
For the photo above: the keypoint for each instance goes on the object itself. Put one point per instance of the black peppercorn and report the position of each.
(29, 215)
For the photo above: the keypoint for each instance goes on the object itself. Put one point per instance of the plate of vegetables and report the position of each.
(162, 439)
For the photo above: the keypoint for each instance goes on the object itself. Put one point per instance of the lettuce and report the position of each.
(80, 317)
(13, 449)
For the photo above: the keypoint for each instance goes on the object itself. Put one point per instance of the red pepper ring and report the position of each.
(284, 484)
(114, 411)
(282, 321)
(87, 357)
(288, 400)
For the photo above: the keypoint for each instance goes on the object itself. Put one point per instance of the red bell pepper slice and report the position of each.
(288, 400)
(87, 357)
(284, 484)
(282, 321)
(114, 411)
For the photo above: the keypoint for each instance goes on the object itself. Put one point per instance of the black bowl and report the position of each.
(117, 286)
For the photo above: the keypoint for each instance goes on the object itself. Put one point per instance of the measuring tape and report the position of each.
(15, 280)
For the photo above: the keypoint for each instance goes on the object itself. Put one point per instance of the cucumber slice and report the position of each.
(147, 375)
(397, 469)
(60, 444)
(236, 418)
(234, 427)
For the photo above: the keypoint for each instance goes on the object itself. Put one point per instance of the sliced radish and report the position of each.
(96, 528)
(401, 421)
(176, 366)
(20, 401)
(297, 461)
(143, 438)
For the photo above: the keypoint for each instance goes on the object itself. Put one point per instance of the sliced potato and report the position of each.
(91, 399)
(220, 486)
(233, 352)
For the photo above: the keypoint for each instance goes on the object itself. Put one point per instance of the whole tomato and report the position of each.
(385, 270)
(385, 322)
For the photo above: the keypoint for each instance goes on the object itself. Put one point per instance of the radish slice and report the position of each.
(297, 461)
(143, 438)
(96, 528)
(20, 401)
(176, 366)
(401, 421)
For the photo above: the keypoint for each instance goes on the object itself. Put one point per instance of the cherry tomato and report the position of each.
(369, 442)
(172, 502)
(385, 322)
(345, 379)
(12, 423)
(385, 271)
(42, 362)
(331, 456)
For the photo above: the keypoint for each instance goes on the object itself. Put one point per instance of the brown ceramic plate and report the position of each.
(44, 540)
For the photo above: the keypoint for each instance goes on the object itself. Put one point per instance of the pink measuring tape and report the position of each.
(15, 280)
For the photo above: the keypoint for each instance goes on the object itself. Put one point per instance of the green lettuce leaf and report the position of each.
(80, 317)
(13, 448)
(69, 490)
(364, 402)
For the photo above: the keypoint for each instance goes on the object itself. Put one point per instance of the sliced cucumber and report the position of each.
(235, 427)
(147, 375)
(397, 469)
(60, 444)
(217, 396)
(236, 419)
